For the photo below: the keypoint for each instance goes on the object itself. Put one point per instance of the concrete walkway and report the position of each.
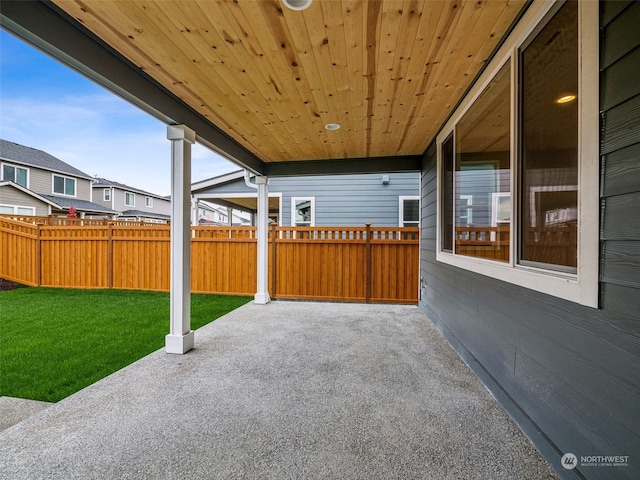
(286, 390)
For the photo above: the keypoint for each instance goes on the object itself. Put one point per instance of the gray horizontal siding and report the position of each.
(159, 205)
(568, 374)
(98, 197)
(340, 200)
(14, 197)
(41, 181)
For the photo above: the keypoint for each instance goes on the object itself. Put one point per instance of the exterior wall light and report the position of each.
(297, 4)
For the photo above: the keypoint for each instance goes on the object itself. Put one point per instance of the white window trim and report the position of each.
(16, 207)
(401, 200)
(581, 287)
(148, 202)
(65, 177)
(106, 195)
(16, 166)
(133, 195)
(312, 201)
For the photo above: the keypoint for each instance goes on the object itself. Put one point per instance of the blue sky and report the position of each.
(47, 106)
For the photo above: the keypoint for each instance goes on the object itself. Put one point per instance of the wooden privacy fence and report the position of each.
(362, 264)
(52, 220)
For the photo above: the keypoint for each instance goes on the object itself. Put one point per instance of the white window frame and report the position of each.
(312, 201)
(75, 185)
(148, 202)
(16, 167)
(106, 195)
(581, 287)
(401, 200)
(16, 207)
(133, 196)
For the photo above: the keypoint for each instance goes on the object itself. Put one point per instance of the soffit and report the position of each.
(389, 72)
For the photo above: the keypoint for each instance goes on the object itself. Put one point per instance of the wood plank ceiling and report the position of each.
(389, 72)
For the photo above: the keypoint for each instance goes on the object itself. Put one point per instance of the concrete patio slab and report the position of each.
(284, 390)
(14, 410)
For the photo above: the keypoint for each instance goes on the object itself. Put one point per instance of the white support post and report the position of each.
(180, 339)
(230, 216)
(262, 295)
(194, 212)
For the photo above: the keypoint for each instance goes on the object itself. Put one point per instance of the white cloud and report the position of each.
(104, 136)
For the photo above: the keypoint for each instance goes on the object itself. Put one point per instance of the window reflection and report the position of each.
(550, 144)
(482, 174)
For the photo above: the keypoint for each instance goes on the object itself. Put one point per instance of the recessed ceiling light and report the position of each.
(332, 126)
(566, 99)
(297, 4)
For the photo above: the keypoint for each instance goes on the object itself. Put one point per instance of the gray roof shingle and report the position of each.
(103, 182)
(83, 205)
(14, 152)
(140, 213)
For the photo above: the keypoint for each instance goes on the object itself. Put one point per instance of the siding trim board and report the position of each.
(567, 374)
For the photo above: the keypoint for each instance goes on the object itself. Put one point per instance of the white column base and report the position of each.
(261, 298)
(179, 343)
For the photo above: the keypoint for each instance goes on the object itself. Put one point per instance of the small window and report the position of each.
(409, 211)
(303, 212)
(148, 202)
(129, 199)
(64, 185)
(106, 194)
(18, 175)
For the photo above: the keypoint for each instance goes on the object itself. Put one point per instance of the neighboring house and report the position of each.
(36, 183)
(390, 199)
(205, 213)
(132, 203)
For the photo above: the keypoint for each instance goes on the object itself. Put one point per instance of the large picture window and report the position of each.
(549, 136)
(515, 175)
(482, 171)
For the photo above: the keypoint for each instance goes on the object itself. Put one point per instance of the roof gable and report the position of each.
(16, 153)
(104, 183)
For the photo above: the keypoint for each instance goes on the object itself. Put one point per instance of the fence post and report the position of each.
(274, 268)
(110, 256)
(38, 257)
(367, 264)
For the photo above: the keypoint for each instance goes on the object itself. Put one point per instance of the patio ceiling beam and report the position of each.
(52, 31)
(411, 163)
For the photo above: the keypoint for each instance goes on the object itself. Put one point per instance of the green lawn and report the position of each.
(54, 342)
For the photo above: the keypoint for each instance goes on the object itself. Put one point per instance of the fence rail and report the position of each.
(362, 264)
(52, 221)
